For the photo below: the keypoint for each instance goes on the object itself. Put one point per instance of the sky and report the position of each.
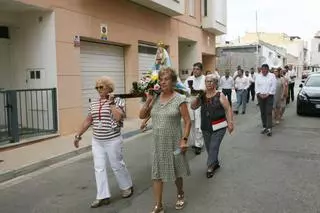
(293, 17)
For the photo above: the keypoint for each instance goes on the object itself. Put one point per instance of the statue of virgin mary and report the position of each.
(162, 60)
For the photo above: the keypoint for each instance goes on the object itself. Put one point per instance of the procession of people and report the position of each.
(195, 114)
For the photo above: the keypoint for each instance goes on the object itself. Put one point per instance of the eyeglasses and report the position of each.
(99, 87)
(209, 82)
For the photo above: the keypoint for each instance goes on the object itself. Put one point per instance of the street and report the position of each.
(259, 174)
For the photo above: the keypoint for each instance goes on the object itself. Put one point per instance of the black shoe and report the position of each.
(211, 171)
(263, 131)
(197, 150)
(236, 112)
(269, 132)
(243, 113)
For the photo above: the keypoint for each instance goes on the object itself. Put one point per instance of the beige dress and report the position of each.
(167, 132)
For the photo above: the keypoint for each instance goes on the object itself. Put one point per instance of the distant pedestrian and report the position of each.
(241, 84)
(279, 95)
(292, 78)
(236, 73)
(251, 89)
(226, 84)
(285, 93)
(106, 117)
(169, 162)
(216, 118)
(216, 74)
(265, 89)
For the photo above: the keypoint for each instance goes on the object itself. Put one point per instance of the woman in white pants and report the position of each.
(106, 116)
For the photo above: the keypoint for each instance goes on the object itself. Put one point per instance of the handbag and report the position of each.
(219, 124)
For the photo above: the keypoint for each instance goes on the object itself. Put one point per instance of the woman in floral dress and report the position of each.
(166, 111)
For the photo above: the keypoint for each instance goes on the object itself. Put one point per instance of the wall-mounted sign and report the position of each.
(103, 32)
(76, 41)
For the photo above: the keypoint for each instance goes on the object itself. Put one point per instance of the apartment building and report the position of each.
(66, 45)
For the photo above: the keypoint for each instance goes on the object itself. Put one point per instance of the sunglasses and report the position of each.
(99, 87)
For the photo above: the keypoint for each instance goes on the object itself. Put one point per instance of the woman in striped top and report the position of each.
(106, 117)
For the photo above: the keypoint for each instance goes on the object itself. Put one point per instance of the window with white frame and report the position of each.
(192, 8)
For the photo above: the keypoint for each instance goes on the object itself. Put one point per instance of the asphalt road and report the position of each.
(259, 174)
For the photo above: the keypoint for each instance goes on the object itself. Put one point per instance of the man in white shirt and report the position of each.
(292, 78)
(236, 73)
(198, 83)
(216, 73)
(251, 90)
(226, 84)
(266, 89)
(241, 84)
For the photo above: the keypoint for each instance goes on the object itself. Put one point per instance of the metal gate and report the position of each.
(27, 113)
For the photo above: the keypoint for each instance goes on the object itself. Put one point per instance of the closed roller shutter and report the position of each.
(147, 56)
(100, 60)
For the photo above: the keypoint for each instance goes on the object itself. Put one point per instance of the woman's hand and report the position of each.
(76, 142)
(183, 146)
(149, 98)
(143, 126)
(230, 127)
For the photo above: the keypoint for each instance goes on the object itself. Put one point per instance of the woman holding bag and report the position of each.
(216, 118)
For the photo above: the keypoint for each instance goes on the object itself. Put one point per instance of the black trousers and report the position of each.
(266, 106)
(290, 92)
(228, 93)
(251, 90)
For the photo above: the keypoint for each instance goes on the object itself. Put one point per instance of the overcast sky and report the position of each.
(294, 17)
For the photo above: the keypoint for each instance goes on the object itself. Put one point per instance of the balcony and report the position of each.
(167, 7)
(214, 16)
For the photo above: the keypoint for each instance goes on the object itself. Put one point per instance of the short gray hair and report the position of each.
(214, 78)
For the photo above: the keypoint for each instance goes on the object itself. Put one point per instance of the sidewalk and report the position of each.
(26, 159)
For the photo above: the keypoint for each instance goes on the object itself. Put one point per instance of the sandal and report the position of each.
(158, 209)
(180, 202)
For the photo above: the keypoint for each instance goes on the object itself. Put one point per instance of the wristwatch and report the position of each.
(185, 138)
(78, 137)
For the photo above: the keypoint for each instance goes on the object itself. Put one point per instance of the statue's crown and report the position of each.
(160, 44)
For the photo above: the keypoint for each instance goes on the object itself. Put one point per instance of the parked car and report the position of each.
(308, 100)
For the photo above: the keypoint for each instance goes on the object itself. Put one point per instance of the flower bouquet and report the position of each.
(149, 83)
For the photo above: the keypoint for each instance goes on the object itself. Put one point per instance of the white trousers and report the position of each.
(111, 151)
(196, 135)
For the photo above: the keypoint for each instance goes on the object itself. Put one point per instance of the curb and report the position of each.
(56, 159)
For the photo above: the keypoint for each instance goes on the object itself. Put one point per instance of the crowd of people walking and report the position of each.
(206, 114)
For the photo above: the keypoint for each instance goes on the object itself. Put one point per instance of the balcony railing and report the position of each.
(27, 113)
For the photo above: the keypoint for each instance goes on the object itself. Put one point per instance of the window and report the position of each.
(192, 8)
(318, 47)
(35, 74)
(204, 8)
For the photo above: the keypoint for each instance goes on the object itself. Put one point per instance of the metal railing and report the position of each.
(27, 113)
